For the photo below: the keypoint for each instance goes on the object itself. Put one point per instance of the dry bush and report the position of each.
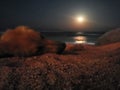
(53, 46)
(23, 41)
(74, 47)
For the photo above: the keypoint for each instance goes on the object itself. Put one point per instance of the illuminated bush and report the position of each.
(23, 41)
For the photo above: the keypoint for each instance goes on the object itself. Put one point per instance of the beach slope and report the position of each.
(80, 67)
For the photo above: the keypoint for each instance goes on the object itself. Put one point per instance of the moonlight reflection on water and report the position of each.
(80, 39)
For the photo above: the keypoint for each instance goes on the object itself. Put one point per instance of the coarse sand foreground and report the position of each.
(80, 67)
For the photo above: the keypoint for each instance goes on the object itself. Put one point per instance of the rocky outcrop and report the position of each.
(112, 36)
(23, 41)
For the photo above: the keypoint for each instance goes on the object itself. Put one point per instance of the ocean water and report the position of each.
(74, 37)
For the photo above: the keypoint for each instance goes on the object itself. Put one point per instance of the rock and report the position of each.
(23, 41)
(112, 36)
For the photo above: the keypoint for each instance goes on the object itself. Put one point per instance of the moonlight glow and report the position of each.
(80, 19)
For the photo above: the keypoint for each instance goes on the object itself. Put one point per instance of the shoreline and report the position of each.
(81, 43)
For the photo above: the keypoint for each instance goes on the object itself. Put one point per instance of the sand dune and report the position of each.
(83, 68)
(109, 37)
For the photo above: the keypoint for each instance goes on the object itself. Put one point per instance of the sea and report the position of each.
(74, 37)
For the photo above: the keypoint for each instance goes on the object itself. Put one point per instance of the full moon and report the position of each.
(80, 19)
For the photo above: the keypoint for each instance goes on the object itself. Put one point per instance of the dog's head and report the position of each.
(23, 41)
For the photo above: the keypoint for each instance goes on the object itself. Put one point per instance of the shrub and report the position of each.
(23, 41)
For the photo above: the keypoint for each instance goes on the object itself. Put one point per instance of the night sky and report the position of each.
(59, 14)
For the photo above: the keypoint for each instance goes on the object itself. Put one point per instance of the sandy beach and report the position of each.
(60, 45)
(80, 67)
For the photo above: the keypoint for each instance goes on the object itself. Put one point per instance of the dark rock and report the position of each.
(112, 36)
(23, 41)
